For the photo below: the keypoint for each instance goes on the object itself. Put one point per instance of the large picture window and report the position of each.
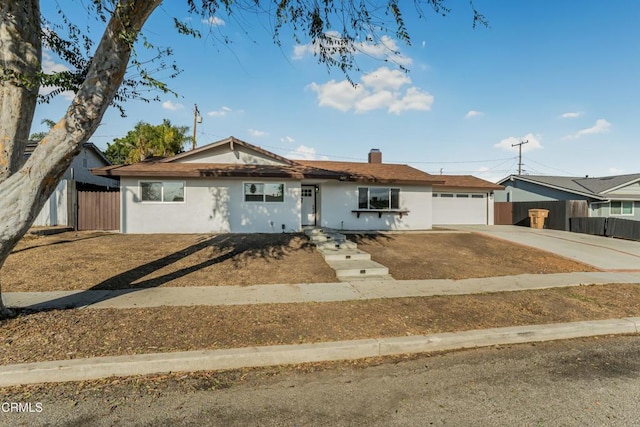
(263, 192)
(162, 191)
(621, 208)
(378, 198)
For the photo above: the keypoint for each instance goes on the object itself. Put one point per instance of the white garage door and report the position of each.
(459, 208)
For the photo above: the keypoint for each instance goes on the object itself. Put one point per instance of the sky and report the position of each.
(560, 75)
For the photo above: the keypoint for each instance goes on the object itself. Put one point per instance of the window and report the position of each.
(263, 192)
(477, 196)
(446, 195)
(621, 208)
(378, 198)
(307, 192)
(462, 195)
(162, 191)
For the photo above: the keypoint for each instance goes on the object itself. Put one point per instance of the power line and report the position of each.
(282, 149)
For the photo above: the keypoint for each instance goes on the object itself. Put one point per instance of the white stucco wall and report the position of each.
(210, 206)
(339, 199)
(55, 210)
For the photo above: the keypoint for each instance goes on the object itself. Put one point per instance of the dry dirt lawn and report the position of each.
(459, 256)
(106, 261)
(114, 261)
(69, 334)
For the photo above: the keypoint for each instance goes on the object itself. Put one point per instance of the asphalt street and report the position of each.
(585, 382)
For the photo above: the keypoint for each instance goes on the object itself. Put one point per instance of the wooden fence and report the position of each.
(98, 210)
(503, 213)
(611, 227)
(559, 212)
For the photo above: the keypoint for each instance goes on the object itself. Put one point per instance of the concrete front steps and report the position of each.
(344, 257)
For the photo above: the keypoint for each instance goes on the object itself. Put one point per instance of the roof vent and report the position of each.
(375, 156)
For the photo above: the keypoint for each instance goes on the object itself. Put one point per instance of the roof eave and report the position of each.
(556, 187)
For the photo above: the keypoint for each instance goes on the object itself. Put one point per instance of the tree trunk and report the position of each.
(24, 191)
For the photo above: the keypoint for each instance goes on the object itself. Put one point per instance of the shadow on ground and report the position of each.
(237, 248)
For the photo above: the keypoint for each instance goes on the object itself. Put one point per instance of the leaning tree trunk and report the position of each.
(25, 189)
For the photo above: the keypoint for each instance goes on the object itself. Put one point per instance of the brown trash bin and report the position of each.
(537, 216)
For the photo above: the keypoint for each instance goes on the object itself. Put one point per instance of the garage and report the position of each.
(460, 208)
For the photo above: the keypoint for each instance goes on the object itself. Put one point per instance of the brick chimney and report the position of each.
(375, 156)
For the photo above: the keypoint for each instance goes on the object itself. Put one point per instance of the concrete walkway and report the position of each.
(308, 292)
(605, 253)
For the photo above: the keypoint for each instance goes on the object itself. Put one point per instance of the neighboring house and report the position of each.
(617, 195)
(234, 186)
(60, 208)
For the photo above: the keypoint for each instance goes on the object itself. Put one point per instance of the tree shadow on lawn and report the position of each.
(236, 247)
(58, 242)
(372, 237)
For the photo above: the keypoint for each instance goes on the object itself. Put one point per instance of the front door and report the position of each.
(308, 205)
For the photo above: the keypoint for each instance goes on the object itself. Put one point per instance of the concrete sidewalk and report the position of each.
(300, 293)
(144, 364)
(211, 360)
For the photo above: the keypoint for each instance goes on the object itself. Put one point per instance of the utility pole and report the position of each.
(197, 118)
(520, 144)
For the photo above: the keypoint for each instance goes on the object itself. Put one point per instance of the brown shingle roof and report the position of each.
(220, 170)
(383, 173)
(467, 182)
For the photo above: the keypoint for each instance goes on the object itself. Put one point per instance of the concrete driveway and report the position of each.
(605, 253)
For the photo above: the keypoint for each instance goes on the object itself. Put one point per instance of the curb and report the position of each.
(212, 360)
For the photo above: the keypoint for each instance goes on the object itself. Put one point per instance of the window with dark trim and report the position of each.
(263, 192)
(378, 198)
(162, 191)
(621, 208)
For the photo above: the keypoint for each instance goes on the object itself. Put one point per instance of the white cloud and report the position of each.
(616, 171)
(214, 21)
(473, 113)
(288, 139)
(380, 89)
(601, 126)
(219, 113)
(172, 106)
(49, 66)
(339, 95)
(385, 78)
(571, 115)
(414, 99)
(256, 133)
(532, 144)
(385, 49)
(302, 152)
(374, 101)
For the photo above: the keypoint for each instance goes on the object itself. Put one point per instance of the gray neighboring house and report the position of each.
(609, 196)
(61, 207)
